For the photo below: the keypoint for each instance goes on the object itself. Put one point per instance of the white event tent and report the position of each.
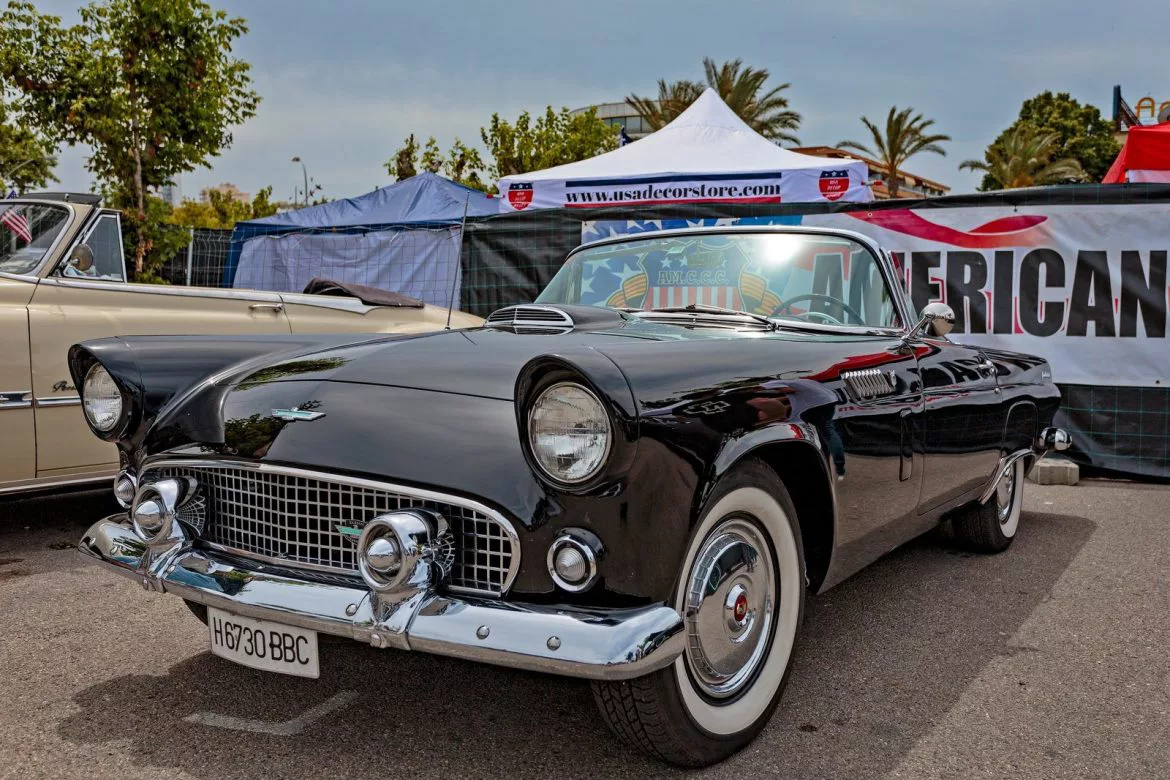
(706, 155)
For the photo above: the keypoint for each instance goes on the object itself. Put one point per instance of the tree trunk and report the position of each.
(140, 202)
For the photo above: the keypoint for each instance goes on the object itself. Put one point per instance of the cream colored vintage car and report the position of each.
(63, 280)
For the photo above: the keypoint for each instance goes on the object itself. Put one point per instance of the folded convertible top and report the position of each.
(371, 296)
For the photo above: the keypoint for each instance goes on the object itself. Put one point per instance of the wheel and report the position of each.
(741, 594)
(991, 526)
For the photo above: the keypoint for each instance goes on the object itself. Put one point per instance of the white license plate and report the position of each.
(262, 644)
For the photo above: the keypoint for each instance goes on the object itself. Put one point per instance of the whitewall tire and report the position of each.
(991, 526)
(741, 593)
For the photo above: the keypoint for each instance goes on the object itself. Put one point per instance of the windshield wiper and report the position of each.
(702, 308)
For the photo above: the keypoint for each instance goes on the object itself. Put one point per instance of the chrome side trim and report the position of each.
(19, 277)
(597, 644)
(1005, 463)
(338, 302)
(162, 289)
(15, 399)
(160, 461)
(45, 483)
(62, 400)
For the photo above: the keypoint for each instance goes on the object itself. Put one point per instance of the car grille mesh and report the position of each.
(293, 519)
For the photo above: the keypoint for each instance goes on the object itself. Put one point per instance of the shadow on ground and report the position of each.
(883, 657)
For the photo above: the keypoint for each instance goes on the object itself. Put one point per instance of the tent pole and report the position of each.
(458, 259)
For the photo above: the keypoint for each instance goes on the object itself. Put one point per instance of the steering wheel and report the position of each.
(845, 308)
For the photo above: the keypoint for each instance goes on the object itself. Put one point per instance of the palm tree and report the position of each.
(673, 99)
(1024, 159)
(740, 87)
(906, 135)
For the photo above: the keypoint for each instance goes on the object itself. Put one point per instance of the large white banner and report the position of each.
(831, 183)
(1083, 286)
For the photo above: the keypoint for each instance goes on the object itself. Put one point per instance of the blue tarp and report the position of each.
(422, 200)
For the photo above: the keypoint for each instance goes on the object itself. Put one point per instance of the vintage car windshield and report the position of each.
(805, 277)
(27, 231)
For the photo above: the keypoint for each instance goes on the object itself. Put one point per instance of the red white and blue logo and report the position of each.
(834, 184)
(520, 195)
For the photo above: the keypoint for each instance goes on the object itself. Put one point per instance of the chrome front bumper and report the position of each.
(598, 644)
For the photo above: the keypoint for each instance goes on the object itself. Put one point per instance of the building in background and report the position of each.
(909, 185)
(1145, 111)
(620, 115)
(228, 189)
(172, 193)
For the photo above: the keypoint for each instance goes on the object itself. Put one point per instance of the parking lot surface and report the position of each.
(1051, 660)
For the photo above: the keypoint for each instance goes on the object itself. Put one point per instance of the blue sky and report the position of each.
(343, 82)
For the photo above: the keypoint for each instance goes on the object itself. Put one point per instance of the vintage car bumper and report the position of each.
(599, 644)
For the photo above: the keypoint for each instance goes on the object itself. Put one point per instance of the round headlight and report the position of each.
(101, 399)
(569, 432)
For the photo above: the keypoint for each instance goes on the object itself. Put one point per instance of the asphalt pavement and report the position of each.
(1051, 660)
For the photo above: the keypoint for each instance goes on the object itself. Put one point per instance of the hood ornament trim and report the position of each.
(295, 414)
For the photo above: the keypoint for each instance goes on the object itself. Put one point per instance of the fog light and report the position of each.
(383, 555)
(572, 560)
(125, 486)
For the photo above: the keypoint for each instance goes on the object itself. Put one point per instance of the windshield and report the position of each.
(787, 276)
(27, 230)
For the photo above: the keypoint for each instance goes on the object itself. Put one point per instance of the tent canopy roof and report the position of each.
(1146, 149)
(706, 138)
(426, 197)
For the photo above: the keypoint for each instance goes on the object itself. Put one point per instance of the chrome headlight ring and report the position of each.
(570, 433)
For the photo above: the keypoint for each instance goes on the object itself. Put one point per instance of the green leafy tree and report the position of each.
(905, 135)
(404, 163)
(1023, 158)
(221, 211)
(150, 86)
(552, 139)
(1082, 134)
(461, 163)
(741, 87)
(27, 157)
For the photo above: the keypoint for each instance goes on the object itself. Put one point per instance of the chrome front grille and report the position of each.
(290, 517)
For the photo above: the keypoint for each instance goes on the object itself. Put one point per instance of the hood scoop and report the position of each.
(531, 318)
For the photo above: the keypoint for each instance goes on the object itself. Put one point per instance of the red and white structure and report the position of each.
(1144, 158)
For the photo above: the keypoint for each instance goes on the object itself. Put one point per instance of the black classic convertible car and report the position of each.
(634, 480)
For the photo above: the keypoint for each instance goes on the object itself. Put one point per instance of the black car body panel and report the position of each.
(438, 412)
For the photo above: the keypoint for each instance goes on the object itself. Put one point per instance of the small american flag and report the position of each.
(12, 219)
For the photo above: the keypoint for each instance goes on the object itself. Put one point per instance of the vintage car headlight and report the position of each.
(569, 432)
(101, 399)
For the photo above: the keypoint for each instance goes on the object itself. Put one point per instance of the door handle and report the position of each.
(275, 307)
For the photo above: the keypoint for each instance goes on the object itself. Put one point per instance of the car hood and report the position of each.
(482, 362)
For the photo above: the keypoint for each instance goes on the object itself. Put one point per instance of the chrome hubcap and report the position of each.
(1004, 493)
(731, 597)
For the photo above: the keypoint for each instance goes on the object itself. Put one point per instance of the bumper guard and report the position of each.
(597, 644)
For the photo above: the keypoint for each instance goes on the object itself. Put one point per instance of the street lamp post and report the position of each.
(305, 171)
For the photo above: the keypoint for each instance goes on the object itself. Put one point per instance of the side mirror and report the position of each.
(81, 258)
(938, 320)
